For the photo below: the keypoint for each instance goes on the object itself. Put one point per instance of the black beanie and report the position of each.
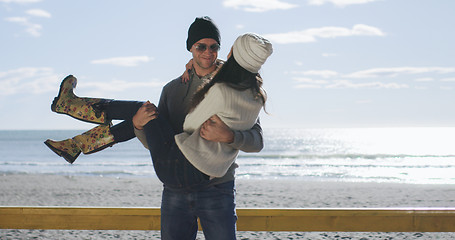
(202, 27)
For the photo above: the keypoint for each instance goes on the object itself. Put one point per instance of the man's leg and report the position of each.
(216, 211)
(178, 221)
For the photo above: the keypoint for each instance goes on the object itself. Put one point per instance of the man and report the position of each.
(214, 204)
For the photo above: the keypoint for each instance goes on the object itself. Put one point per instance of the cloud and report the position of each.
(311, 81)
(312, 34)
(21, 20)
(123, 61)
(307, 83)
(258, 5)
(339, 3)
(354, 85)
(364, 101)
(393, 72)
(321, 73)
(308, 86)
(31, 28)
(333, 79)
(38, 80)
(240, 26)
(446, 88)
(329, 54)
(424, 79)
(120, 85)
(38, 13)
(28, 80)
(20, 1)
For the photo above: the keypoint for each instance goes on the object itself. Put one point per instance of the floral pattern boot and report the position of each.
(80, 108)
(67, 149)
(94, 140)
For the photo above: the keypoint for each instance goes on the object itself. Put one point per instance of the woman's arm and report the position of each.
(186, 73)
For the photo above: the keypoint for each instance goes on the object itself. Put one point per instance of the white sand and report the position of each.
(53, 190)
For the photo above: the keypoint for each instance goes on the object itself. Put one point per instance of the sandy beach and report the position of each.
(57, 190)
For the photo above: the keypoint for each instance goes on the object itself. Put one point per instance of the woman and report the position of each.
(234, 95)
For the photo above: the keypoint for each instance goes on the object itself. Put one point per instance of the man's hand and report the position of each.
(146, 113)
(216, 130)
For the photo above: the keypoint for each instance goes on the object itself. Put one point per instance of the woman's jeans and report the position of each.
(171, 166)
(213, 205)
(122, 110)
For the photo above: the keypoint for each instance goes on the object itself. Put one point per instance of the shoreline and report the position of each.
(68, 190)
(60, 190)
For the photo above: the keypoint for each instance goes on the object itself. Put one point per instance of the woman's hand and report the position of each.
(145, 114)
(186, 74)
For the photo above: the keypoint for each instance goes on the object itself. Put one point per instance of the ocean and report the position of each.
(397, 155)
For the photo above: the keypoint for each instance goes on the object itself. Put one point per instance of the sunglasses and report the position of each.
(201, 47)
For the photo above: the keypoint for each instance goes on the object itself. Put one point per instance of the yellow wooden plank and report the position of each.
(348, 220)
(79, 218)
(343, 220)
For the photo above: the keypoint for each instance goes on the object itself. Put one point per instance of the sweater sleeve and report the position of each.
(140, 134)
(250, 140)
(208, 107)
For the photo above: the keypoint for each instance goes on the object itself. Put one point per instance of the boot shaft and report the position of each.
(80, 108)
(95, 139)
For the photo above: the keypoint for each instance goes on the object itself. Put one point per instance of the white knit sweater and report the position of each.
(239, 110)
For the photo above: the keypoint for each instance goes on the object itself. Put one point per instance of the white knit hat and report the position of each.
(251, 50)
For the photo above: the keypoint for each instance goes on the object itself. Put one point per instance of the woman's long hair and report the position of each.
(236, 77)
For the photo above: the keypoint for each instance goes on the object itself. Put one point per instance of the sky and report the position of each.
(336, 63)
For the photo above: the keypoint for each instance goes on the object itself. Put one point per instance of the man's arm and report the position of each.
(247, 141)
(140, 134)
(146, 113)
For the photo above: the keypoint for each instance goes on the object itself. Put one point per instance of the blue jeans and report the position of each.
(121, 110)
(213, 205)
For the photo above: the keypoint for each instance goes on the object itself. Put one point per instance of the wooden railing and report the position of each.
(320, 220)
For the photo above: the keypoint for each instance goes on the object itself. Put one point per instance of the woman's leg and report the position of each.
(171, 166)
(80, 108)
(120, 110)
(102, 136)
(94, 140)
(95, 110)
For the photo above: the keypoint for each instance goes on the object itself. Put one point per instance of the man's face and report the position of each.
(205, 59)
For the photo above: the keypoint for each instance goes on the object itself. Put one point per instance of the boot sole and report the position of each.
(101, 148)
